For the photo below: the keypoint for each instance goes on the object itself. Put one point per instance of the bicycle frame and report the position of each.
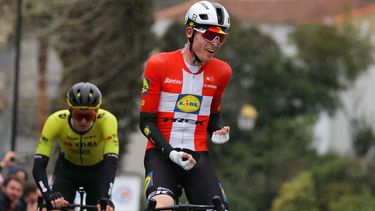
(215, 200)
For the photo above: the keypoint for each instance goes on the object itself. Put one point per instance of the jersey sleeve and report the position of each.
(152, 85)
(226, 73)
(49, 132)
(110, 134)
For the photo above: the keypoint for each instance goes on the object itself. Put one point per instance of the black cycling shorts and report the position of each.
(67, 178)
(165, 177)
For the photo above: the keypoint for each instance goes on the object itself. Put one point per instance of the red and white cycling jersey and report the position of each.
(182, 100)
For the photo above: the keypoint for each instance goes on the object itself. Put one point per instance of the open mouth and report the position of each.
(211, 51)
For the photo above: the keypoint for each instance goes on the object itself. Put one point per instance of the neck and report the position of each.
(189, 57)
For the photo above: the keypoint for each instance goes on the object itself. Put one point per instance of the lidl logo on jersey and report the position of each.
(188, 103)
(146, 86)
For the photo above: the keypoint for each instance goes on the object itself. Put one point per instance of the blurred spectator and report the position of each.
(30, 196)
(18, 171)
(11, 193)
(6, 162)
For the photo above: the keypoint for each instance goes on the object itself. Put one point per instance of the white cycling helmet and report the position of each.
(207, 13)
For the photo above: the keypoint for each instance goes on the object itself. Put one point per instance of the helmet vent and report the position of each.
(220, 16)
(203, 16)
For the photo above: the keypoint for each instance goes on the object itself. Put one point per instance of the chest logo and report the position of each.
(188, 103)
(172, 81)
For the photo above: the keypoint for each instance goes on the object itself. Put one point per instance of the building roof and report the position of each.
(278, 11)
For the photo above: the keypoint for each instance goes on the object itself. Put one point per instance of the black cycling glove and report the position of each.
(54, 196)
(104, 202)
(50, 196)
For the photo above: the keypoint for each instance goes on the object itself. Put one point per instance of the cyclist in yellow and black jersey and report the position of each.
(87, 136)
(82, 149)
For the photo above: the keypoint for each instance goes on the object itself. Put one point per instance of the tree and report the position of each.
(332, 57)
(332, 184)
(106, 43)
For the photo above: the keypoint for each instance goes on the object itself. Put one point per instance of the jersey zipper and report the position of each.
(191, 92)
(80, 149)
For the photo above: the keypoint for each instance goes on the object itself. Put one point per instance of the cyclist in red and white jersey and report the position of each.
(180, 106)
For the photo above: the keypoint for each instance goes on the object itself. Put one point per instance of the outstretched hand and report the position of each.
(7, 159)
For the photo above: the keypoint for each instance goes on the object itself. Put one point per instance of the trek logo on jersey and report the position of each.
(172, 81)
(146, 86)
(180, 120)
(188, 103)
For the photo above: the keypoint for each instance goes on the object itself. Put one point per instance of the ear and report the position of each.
(189, 32)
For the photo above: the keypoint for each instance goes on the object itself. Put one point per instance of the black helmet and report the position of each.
(84, 95)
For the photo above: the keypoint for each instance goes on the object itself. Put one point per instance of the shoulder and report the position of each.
(163, 57)
(60, 115)
(223, 67)
(104, 114)
(57, 119)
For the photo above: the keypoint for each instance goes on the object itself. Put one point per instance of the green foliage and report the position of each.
(256, 167)
(353, 202)
(174, 38)
(296, 195)
(363, 138)
(332, 58)
(106, 43)
(336, 177)
(335, 184)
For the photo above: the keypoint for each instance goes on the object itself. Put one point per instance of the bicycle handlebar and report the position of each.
(215, 200)
(42, 204)
(72, 206)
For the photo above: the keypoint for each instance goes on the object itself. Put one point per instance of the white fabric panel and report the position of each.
(182, 133)
(205, 106)
(192, 84)
(167, 101)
